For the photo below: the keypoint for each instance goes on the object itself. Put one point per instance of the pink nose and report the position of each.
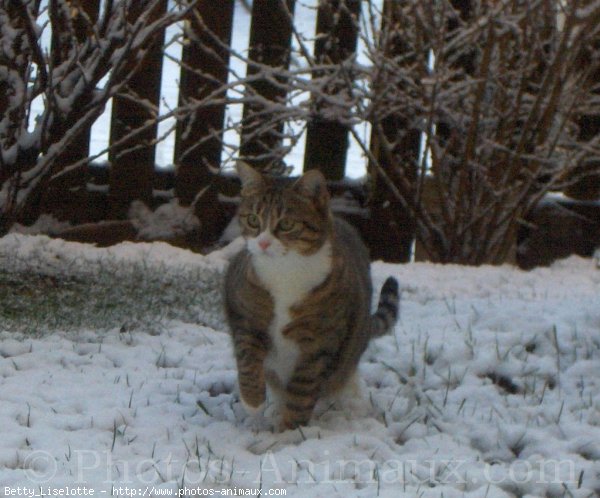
(264, 244)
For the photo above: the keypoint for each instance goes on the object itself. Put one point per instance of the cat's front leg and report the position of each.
(250, 351)
(302, 392)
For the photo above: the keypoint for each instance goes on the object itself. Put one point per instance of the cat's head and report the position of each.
(278, 215)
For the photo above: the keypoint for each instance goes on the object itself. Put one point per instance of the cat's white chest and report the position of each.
(289, 278)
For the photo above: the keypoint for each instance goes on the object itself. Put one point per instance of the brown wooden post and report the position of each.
(80, 147)
(198, 140)
(587, 186)
(132, 164)
(52, 196)
(270, 39)
(336, 39)
(393, 230)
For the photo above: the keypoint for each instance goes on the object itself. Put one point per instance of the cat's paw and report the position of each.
(350, 399)
(290, 420)
(285, 425)
(253, 411)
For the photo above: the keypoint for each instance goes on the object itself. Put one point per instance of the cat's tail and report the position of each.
(386, 315)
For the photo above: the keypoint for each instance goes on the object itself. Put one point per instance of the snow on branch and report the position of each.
(88, 60)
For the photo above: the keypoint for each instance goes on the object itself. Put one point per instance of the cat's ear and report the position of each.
(248, 175)
(312, 184)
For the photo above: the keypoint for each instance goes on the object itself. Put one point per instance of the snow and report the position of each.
(168, 221)
(488, 386)
(45, 224)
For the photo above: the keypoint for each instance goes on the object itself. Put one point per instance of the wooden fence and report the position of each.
(204, 70)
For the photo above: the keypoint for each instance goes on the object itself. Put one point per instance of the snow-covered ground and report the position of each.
(489, 386)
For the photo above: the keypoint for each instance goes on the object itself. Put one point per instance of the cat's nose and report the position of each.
(264, 244)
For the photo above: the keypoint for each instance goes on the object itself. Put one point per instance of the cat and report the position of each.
(298, 296)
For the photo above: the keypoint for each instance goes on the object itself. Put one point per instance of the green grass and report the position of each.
(108, 294)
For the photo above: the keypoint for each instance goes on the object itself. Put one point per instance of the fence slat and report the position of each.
(51, 199)
(204, 70)
(392, 235)
(337, 36)
(132, 164)
(80, 147)
(588, 186)
(198, 140)
(270, 39)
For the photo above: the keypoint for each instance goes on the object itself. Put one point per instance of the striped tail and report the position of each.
(386, 315)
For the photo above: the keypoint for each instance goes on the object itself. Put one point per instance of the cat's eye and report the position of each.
(286, 225)
(253, 221)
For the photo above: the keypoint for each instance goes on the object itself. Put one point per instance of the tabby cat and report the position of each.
(298, 296)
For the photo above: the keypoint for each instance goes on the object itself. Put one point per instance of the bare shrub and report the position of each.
(89, 60)
(495, 89)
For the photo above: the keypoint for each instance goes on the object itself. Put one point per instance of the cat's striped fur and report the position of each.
(298, 297)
